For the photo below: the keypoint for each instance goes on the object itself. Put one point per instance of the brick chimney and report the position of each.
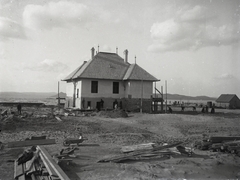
(126, 55)
(93, 51)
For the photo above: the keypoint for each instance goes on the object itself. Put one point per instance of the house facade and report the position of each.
(106, 80)
(229, 101)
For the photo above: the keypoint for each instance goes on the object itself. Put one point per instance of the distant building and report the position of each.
(230, 101)
(107, 79)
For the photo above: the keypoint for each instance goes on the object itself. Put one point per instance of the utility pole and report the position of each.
(162, 99)
(141, 98)
(166, 97)
(74, 92)
(58, 96)
(155, 90)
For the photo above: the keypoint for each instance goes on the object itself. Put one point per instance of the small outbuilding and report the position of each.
(230, 101)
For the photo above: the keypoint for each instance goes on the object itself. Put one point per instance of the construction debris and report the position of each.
(37, 138)
(58, 118)
(31, 143)
(1, 145)
(65, 155)
(40, 166)
(68, 142)
(4, 112)
(132, 148)
(230, 144)
(219, 139)
(161, 151)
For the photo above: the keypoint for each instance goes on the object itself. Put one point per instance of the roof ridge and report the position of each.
(107, 53)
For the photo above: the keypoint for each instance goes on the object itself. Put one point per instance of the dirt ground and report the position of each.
(107, 135)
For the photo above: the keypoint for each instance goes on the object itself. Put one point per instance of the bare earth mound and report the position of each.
(113, 114)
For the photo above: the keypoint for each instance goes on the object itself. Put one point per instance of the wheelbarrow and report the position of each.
(69, 141)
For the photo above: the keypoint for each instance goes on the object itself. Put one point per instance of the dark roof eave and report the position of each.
(142, 80)
(79, 78)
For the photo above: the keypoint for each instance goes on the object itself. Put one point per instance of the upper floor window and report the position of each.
(115, 87)
(94, 87)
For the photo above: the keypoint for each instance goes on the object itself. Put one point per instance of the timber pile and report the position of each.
(31, 142)
(159, 151)
(230, 144)
(40, 167)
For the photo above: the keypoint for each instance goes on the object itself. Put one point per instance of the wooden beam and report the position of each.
(53, 164)
(31, 143)
(49, 168)
(130, 155)
(18, 170)
(131, 148)
(219, 139)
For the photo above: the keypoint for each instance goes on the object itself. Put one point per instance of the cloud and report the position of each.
(56, 14)
(191, 29)
(196, 14)
(225, 76)
(49, 65)
(10, 29)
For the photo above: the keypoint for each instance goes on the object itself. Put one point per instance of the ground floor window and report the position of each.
(89, 104)
(94, 87)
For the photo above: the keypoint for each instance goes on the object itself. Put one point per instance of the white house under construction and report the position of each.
(108, 79)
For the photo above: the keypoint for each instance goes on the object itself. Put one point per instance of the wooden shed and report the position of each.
(230, 101)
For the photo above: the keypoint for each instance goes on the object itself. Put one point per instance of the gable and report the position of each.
(77, 72)
(135, 72)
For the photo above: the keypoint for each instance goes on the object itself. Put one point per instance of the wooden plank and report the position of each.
(58, 118)
(38, 137)
(4, 112)
(44, 177)
(49, 168)
(54, 165)
(232, 142)
(33, 177)
(31, 143)
(29, 164)
(130, 155)
(32, 169)
(137, 147)
(18, 170)
(24, 167)
(219, 139)
(22, 177)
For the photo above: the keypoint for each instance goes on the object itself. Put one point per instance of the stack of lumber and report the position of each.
(229, 144)
(31, 142)
(148, 152)
(40, 167)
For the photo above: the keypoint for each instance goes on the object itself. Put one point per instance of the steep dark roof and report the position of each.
(110, 66)
(225, 98)
(135, 72)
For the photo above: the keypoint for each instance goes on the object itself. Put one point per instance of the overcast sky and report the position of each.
(194, 45)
